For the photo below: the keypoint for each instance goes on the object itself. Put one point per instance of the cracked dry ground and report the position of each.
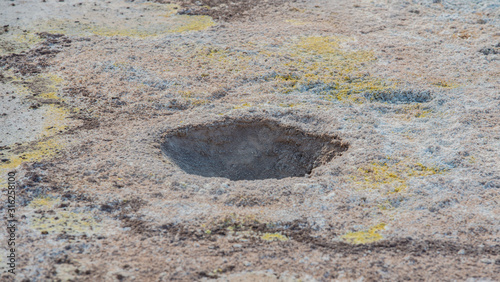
(324, 140)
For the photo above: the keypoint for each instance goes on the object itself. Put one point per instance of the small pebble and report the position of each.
(487, 261)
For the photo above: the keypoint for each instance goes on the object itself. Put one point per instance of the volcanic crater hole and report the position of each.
(249, 150)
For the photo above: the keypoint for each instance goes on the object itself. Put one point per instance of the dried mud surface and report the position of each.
(90, 90)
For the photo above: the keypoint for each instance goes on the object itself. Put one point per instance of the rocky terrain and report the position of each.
(259, 140)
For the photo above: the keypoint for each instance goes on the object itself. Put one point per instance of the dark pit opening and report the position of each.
(249, 150)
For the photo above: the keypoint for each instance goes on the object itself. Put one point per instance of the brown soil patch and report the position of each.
(225, 10)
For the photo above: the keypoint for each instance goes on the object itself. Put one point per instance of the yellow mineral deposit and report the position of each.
(153, 20)
(392, 174)
(323, 60)
(273, 237)
(67, 222)
(13, 42)
(54, 121)
(364, 237)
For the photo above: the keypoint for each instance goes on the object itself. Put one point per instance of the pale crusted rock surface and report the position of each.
(406, 91)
